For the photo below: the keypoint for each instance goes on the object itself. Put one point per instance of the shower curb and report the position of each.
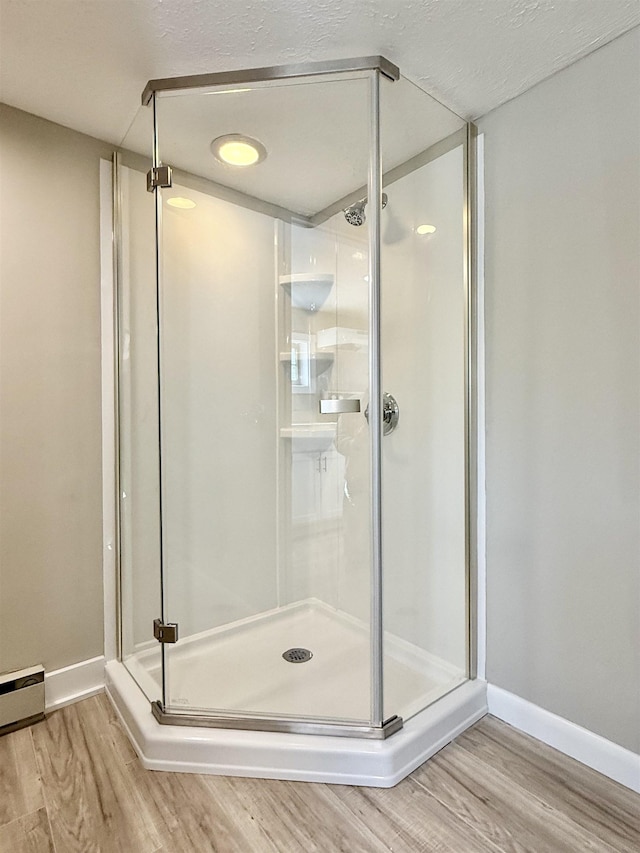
(301, 758)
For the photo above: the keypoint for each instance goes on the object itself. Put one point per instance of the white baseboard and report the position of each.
(600, 754)
(73, 683)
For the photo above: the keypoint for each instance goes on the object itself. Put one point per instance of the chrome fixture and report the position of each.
(390, 413)
(339, 406)
(275, 72)
(297, 655)
(355, 215)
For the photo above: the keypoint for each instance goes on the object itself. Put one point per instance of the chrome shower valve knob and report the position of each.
(390, 413)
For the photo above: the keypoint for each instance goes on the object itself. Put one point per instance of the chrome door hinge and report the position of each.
(159, 176)
(165, 632)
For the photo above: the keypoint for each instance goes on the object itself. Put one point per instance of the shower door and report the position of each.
(265, 303)
(264, 361)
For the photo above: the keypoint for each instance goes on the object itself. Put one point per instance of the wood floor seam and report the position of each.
(18, 819)
(545, 807)
(20, 787)
(54, 846)
(492, 846)
(45, 797)
(589, 815)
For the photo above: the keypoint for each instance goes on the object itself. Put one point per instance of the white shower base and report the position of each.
(240, 668)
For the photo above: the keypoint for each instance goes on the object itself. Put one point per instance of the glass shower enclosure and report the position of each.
(294, 386)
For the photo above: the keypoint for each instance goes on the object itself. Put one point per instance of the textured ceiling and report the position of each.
(84, 63)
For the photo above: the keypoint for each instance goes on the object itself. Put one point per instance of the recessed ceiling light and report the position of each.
(425, 229)
(234, 149)
(182, 203)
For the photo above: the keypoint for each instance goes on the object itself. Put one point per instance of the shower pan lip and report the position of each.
(268, 73)
(292, 756)
(333, 632)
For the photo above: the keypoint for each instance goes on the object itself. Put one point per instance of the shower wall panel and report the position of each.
(329, 536)
(354, 578)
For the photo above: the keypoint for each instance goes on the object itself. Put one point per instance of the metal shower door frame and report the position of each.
(378, 727)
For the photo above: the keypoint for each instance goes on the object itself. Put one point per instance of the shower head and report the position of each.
(355, 215)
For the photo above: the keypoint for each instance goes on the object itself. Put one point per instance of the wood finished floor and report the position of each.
(73, 783)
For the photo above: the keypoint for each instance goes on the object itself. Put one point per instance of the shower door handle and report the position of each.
(339, 407)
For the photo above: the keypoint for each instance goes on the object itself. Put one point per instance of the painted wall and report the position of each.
(563, 386)
(50, 420)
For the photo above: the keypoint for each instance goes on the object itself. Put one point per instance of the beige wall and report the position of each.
(50, 423)
(563, 382)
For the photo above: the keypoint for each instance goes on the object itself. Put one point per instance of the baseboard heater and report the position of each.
(21, 698)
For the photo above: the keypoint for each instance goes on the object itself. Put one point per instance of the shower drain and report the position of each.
(297, 655)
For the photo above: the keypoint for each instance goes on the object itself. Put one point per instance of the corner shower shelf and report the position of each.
(318, 362)
(339, 337)
(308, 291)
(312, 437)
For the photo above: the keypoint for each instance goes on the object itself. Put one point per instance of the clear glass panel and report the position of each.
(423, 367)
(138, 414)
(264, 314)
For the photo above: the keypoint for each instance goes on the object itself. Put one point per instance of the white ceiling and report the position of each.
(84, 63)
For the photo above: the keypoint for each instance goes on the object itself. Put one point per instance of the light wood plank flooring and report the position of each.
(73, 784)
